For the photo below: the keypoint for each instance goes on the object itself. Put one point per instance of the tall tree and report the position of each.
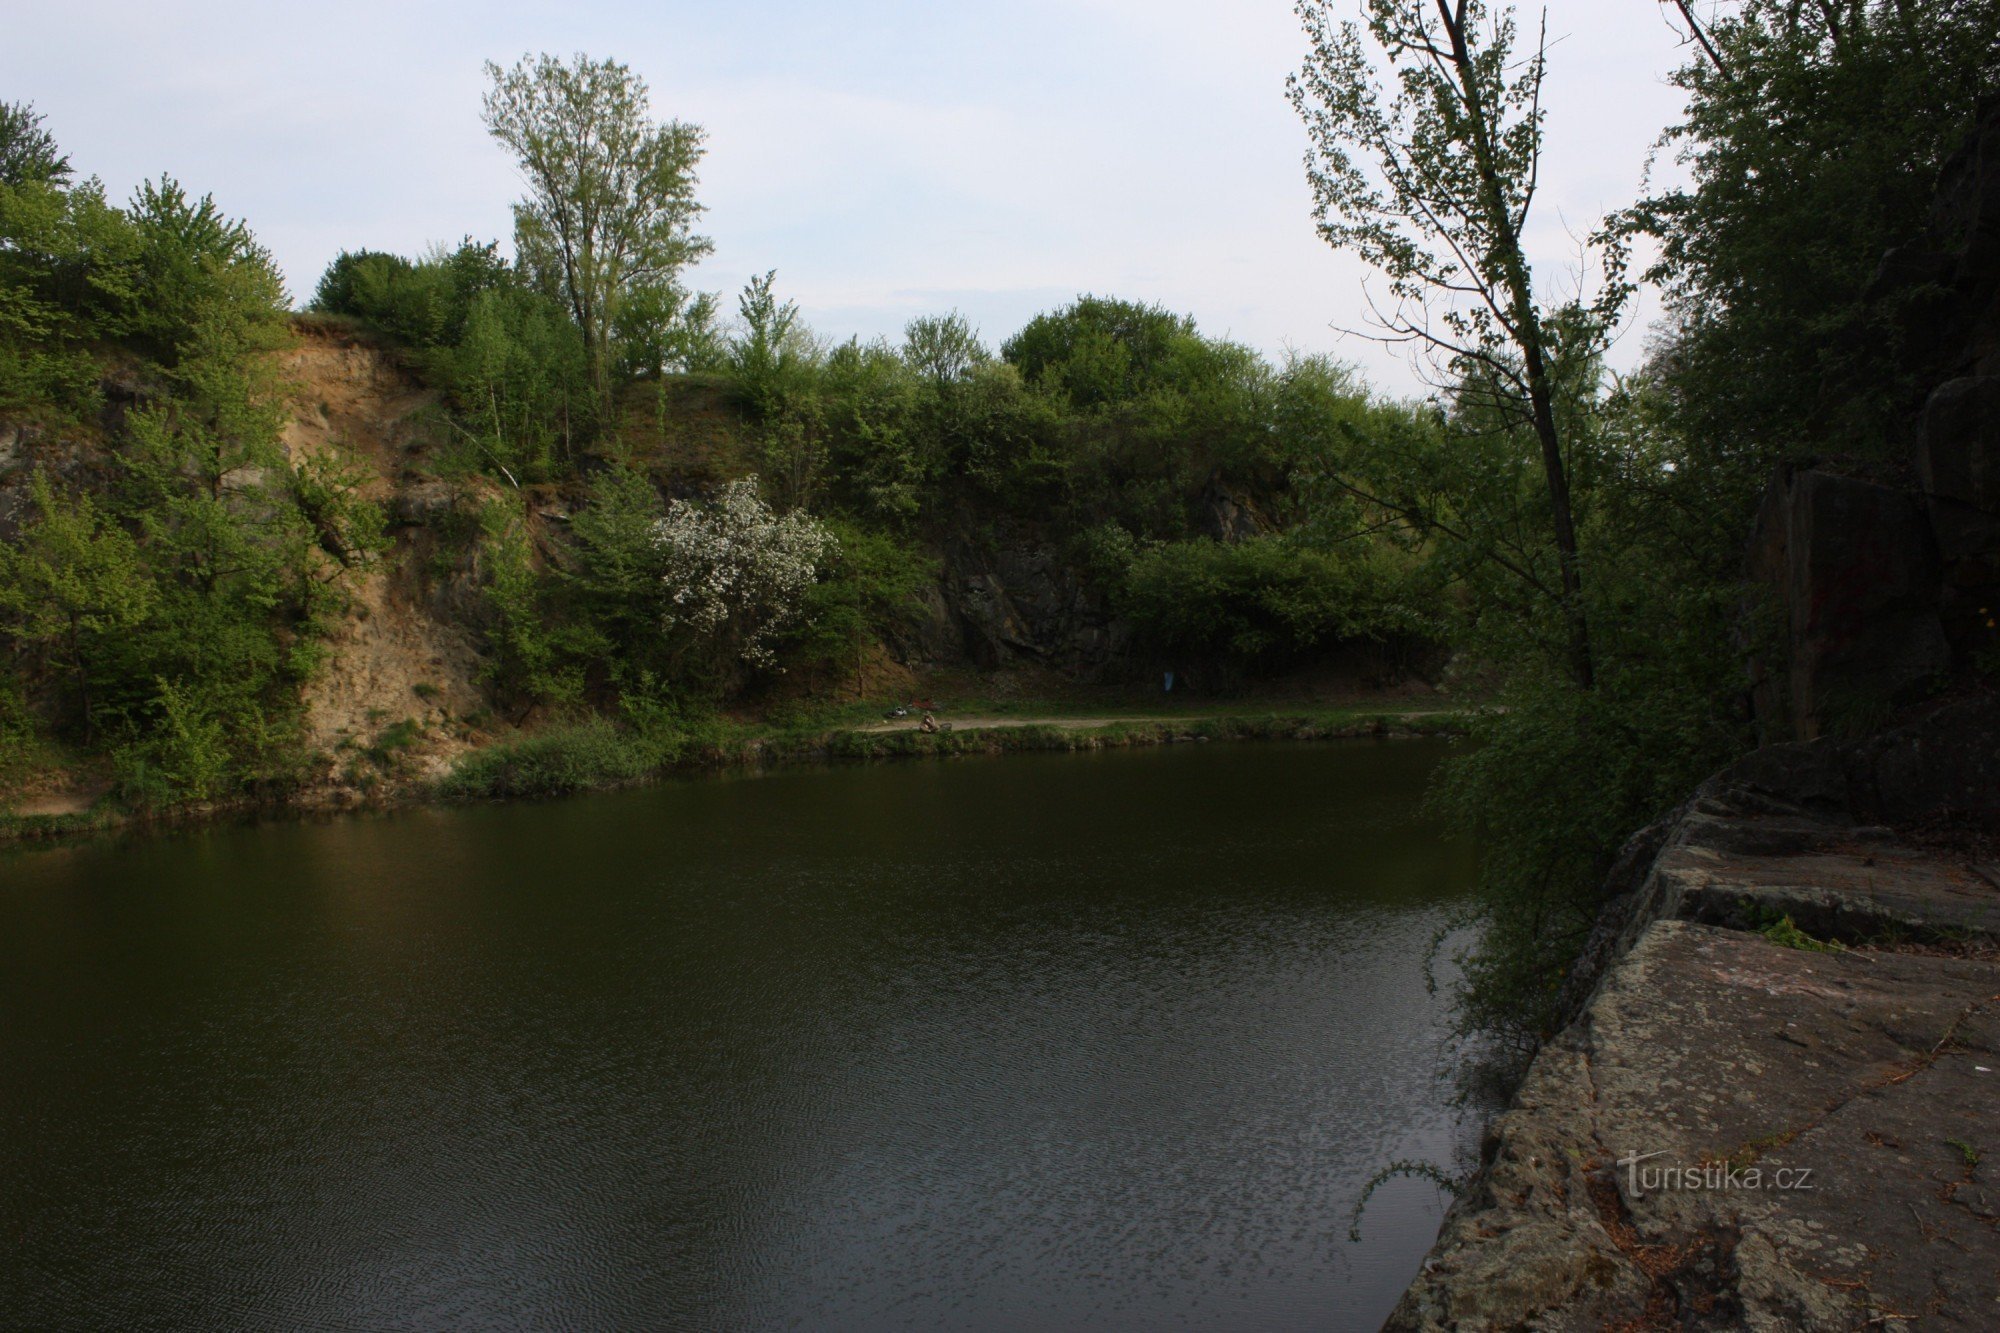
(28, 152)
(610, 204)
(1428, 172)
(1810, 147)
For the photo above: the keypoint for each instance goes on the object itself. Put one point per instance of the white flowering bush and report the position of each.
(736, 573)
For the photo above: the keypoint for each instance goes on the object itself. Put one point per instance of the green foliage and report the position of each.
(618, 578)
(585, 756)
(1005, 444)
(1097, 351)
(1617, 692)
(1559, 776)
(899, 447)
(533, 658)
(204, 293)
(662, 329)
(178, 607)
(165, 603)
(68, 280)
(392, 741)
(1812, 151)
(1427, 170)
(1784, 933)
(1555, 780)
(519, 382)
(774, 356)
(866, 593)
(879, 455)
(1813, 148)
(23, 749)
(610, 205)
(512, 365)
(943, 349)
(1264, 603)
(425, 304)
(28, 152)
(185, 755)
(73, 585)
(326, 489)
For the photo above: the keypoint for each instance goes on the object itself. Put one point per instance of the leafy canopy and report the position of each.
(28, 152)
(610, 205)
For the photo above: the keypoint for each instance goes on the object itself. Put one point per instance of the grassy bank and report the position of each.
(38, 828)
(595, 755)
(600, 755)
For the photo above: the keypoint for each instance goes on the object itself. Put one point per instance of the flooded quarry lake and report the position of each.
(1110, 1041)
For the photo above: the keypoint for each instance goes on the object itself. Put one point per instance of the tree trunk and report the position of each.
(1582, 665)
(1527, 335)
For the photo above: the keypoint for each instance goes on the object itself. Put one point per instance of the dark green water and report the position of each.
(1036, 1043)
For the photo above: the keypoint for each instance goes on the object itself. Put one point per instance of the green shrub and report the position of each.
(1096, 351)
(533, 657)
(1263, 603)
(184, 756)
(582, 756)
(868, 591)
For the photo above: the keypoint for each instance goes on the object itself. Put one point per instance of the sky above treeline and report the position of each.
(888, 159)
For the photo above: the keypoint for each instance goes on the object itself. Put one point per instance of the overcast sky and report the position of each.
(888, 159)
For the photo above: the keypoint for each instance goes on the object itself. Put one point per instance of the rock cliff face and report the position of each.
(1887, 584)
(1010, 599)
(1014, 600)
(1738, 1132)
(403, 654)
(1775, 1106)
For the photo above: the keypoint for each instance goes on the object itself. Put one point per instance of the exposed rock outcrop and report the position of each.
(1775, 1105)
(1010, 597)
(399, 658)
(1013, 599)
(1734, 1133)
(1889, 581)
(1856, 573)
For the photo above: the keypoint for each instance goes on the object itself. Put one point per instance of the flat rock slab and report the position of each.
(1842, 883)
(1740, 1135)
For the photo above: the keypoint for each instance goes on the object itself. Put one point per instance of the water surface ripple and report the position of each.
(1039, 1043)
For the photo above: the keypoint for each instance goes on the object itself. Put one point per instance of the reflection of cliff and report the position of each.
(1799, 971)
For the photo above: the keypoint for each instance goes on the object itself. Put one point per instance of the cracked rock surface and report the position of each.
(1734, 1133)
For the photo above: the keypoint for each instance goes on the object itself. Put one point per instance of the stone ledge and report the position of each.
(1715, 1049)
(1876, 1069)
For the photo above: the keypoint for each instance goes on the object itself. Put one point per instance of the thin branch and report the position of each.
(1699, 35)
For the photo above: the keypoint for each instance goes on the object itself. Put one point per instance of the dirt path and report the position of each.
(76, 800)
(985, 723)
(1071, 722)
